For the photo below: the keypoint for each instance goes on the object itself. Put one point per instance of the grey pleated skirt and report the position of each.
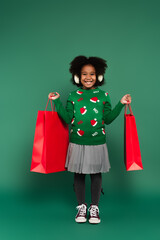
(87, 159)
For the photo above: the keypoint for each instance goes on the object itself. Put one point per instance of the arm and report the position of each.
(65, 113)
(109, 113)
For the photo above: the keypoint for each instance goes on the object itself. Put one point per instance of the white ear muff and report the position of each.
(100, 78)
(76, 79)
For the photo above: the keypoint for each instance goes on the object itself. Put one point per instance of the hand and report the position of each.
(53, 96)
(126, 99)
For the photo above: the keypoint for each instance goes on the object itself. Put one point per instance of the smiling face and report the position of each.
(88, 77)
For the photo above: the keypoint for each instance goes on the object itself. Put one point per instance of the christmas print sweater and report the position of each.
(88, 110)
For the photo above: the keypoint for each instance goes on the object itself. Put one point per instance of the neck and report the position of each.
(88, 88)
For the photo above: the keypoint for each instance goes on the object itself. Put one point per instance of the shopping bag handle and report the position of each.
(130, 109)
(51, 105)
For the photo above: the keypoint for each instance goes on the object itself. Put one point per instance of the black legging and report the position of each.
(79, 187)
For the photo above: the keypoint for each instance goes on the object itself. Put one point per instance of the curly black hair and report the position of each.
(78, 62)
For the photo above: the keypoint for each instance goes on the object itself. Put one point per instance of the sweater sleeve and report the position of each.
(65, 113)
(109, 113)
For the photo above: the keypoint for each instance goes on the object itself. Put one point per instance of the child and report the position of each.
(88, 109)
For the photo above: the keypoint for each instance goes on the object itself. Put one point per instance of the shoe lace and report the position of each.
(82, 209)
(93, 210)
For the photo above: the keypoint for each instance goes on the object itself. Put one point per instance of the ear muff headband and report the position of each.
(76, 78)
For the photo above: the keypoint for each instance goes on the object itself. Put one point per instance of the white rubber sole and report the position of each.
(80, 219)
(94, 220)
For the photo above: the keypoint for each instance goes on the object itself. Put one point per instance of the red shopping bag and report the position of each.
(50, 142)
(132, 154)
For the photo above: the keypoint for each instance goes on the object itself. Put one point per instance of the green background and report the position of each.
(38, 40)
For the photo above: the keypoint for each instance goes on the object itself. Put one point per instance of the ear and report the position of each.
(76, 79)
(100, 78)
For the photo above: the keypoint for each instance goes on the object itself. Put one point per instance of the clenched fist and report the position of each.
(53, 96)
(126, 99)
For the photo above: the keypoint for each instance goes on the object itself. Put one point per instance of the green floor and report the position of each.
(44, 216)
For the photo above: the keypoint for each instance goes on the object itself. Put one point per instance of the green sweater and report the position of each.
(88, 111)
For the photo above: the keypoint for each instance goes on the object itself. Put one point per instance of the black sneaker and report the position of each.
(82, 213)
(94, 214)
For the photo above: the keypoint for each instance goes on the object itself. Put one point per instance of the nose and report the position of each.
(88, 77)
